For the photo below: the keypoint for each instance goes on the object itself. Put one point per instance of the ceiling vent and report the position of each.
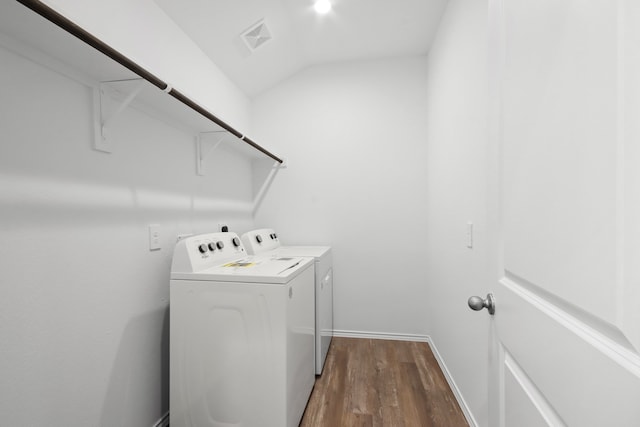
(256, 35)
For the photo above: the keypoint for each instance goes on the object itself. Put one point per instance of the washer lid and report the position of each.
(252, 269)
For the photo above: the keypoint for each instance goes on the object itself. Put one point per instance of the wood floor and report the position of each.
(380, 383)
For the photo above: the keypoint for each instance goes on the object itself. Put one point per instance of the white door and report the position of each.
(566, 212)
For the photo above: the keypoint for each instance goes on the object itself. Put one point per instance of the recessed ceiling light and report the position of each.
(322, 6)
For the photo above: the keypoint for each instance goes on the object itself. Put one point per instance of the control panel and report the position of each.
(204, 251)
(258, 241)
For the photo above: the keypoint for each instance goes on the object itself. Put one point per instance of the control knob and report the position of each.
(259, 238)
(220, 245)
(236, 242)
(203, 248)
(212, 246)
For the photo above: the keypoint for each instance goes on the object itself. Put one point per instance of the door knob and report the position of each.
(477, 303)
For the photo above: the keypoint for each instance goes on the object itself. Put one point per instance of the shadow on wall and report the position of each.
(142, 364)
(264, 173)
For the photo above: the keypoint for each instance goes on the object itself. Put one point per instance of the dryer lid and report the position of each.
(313, 251)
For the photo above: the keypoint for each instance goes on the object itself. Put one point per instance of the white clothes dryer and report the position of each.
(241, 335)
(266, 241)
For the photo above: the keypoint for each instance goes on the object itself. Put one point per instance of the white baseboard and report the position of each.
(381, 336)
(163, 421)
(452, 384)
(419, 338)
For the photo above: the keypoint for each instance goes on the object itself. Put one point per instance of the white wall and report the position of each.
(84, 307)
(84, 315)
(141, 31)
(456, 192)
(354, 135)
(394, 147)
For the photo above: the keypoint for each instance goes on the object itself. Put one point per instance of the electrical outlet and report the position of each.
(223, 226)
(154, 237)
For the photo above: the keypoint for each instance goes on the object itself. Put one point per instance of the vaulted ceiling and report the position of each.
(294, 36)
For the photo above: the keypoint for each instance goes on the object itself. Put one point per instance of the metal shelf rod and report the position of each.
(75, 30)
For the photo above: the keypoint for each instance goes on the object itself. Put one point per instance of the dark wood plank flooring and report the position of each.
(381, 383)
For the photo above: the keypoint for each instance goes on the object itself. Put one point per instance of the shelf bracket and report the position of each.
(101, 120)
(202, 152)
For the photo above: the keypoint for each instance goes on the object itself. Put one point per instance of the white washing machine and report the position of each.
(241, 335)
(266, 241)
